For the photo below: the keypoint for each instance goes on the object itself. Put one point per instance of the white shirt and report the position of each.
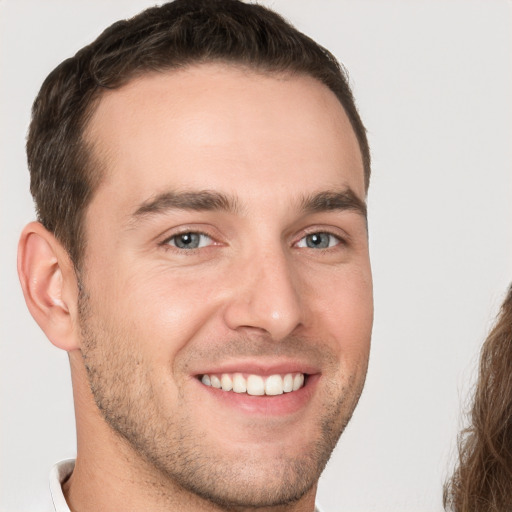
(60, 473)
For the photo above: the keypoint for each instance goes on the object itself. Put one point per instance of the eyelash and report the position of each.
(339, 240)
(167, 242)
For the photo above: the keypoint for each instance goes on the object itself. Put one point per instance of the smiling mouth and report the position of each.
(255, 385)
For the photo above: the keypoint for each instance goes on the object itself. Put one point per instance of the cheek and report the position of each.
(345, 312)
(162, 309)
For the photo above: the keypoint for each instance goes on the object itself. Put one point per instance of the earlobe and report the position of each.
(49, 285)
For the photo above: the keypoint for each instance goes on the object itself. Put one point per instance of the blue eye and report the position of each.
(189, 240)
(318, 241)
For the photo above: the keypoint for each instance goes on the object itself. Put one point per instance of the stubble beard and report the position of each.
(178, 450)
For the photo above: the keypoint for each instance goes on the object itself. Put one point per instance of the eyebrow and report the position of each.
(203, 200)
(207, 200)
(345, 199)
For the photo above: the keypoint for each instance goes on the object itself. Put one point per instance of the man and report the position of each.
(200, 174)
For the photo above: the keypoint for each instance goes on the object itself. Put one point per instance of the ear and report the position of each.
(49, 285)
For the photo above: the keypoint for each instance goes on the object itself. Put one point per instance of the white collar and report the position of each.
(58, 475)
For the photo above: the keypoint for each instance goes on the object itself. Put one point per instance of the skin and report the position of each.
(150, 317)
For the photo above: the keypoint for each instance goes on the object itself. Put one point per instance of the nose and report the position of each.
(265, 297)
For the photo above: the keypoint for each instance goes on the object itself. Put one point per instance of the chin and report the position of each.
(254, 484)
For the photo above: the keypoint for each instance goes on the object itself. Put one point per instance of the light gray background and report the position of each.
(433, 81)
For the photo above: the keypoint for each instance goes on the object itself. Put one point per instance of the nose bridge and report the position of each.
(266, 295)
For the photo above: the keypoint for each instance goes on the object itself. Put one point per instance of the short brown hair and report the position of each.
(64, 175)
(482, 481)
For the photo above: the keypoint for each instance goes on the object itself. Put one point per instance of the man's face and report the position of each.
(227, 246)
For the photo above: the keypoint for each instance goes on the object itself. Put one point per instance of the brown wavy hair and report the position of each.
(482, 481)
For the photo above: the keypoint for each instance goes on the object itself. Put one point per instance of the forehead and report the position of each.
(216, 125)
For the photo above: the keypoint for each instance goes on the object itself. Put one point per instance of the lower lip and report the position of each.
(277, 405)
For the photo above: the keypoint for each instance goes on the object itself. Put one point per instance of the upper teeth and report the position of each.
(255, 384)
